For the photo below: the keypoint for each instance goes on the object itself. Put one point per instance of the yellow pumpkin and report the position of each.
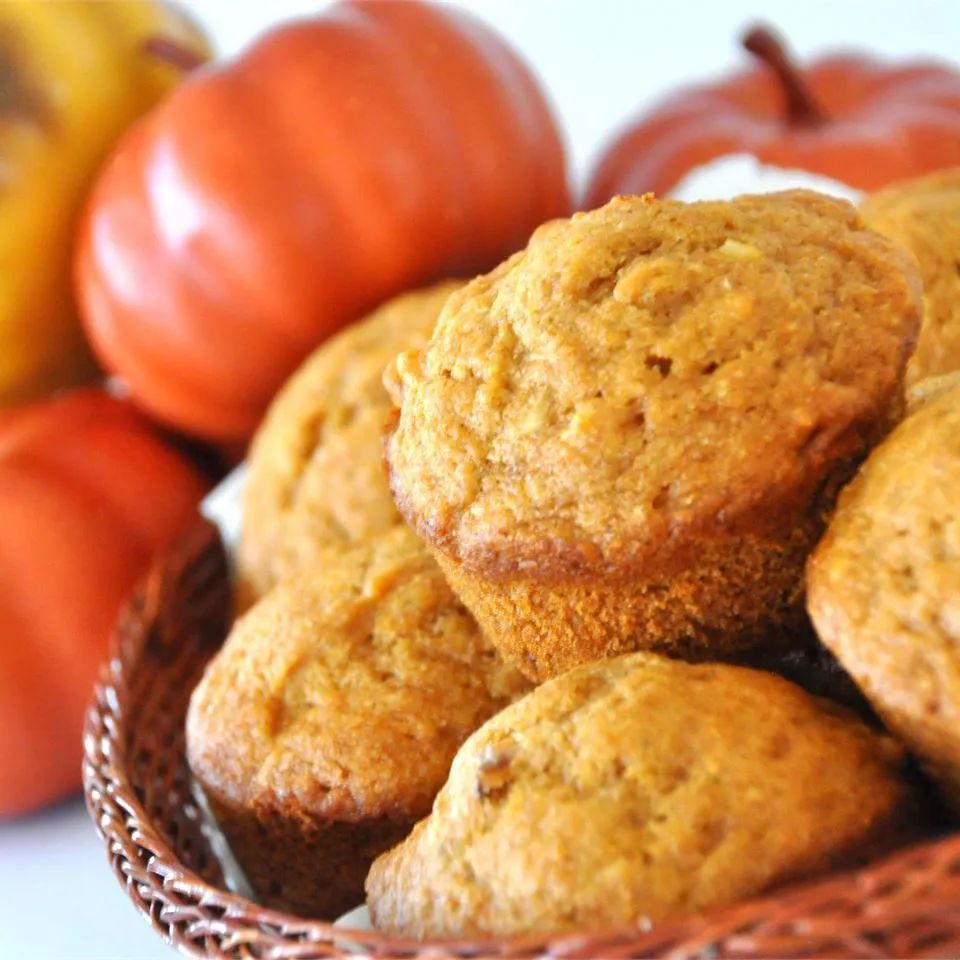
(73, 76)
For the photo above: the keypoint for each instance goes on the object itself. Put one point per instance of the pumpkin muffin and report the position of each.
(324, 728)
(924, 216)
(884, 585)
(630, 434)
(316, 466)
(641, 787)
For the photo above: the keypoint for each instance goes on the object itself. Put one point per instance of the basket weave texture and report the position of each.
(138, 793)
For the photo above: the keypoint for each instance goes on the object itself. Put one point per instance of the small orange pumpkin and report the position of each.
(847, 117)
(342, 159)
(88, 493)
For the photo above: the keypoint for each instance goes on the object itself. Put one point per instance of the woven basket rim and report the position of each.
(907, 903)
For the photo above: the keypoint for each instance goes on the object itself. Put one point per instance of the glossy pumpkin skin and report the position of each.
(73, 76)
(88, 494)
(340, 160)
(880, 123)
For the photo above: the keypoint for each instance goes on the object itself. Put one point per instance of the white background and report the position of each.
(600, 61)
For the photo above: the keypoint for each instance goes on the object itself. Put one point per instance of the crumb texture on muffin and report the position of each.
(327, 723)
(316, 472)
(647, 371)
(924, 216)
(884, 584)
(735, 596)
(640, 787)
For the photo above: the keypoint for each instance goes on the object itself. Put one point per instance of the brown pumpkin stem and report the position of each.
(802, 109)
(173, 53)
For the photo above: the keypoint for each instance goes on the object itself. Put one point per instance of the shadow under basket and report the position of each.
(138, 792)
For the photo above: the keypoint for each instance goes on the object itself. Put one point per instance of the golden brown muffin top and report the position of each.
(884, 584)
(316, 465)
(648, 371)
(638, 787)
(924, 215)
(346, 691)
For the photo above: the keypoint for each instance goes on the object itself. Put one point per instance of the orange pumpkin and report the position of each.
(88, 493)
(271, 200)
(847, 117)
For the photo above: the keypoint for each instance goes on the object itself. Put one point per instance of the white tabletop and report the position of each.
(600, 59)
(44, 861)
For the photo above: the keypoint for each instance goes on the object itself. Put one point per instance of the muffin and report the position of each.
(630, 434)
(884, 585)
(924, 216)
(640, 787)
(324, 728)
(316, 466)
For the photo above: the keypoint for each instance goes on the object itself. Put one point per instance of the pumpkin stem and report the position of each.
(802, 109)
(173, 53)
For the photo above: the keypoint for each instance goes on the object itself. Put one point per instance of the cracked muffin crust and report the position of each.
(316, 466)
(629, 434)
(640, 787)
(924, 216)
(884, 585)
(323, 729)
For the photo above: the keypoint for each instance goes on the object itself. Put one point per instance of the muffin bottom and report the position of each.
(304, 865)
(732, 596)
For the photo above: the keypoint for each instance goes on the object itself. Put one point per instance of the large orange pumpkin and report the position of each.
(88, 493)
(340, 160)
(847, 117)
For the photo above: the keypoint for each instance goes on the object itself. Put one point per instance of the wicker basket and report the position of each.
(138, 793)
